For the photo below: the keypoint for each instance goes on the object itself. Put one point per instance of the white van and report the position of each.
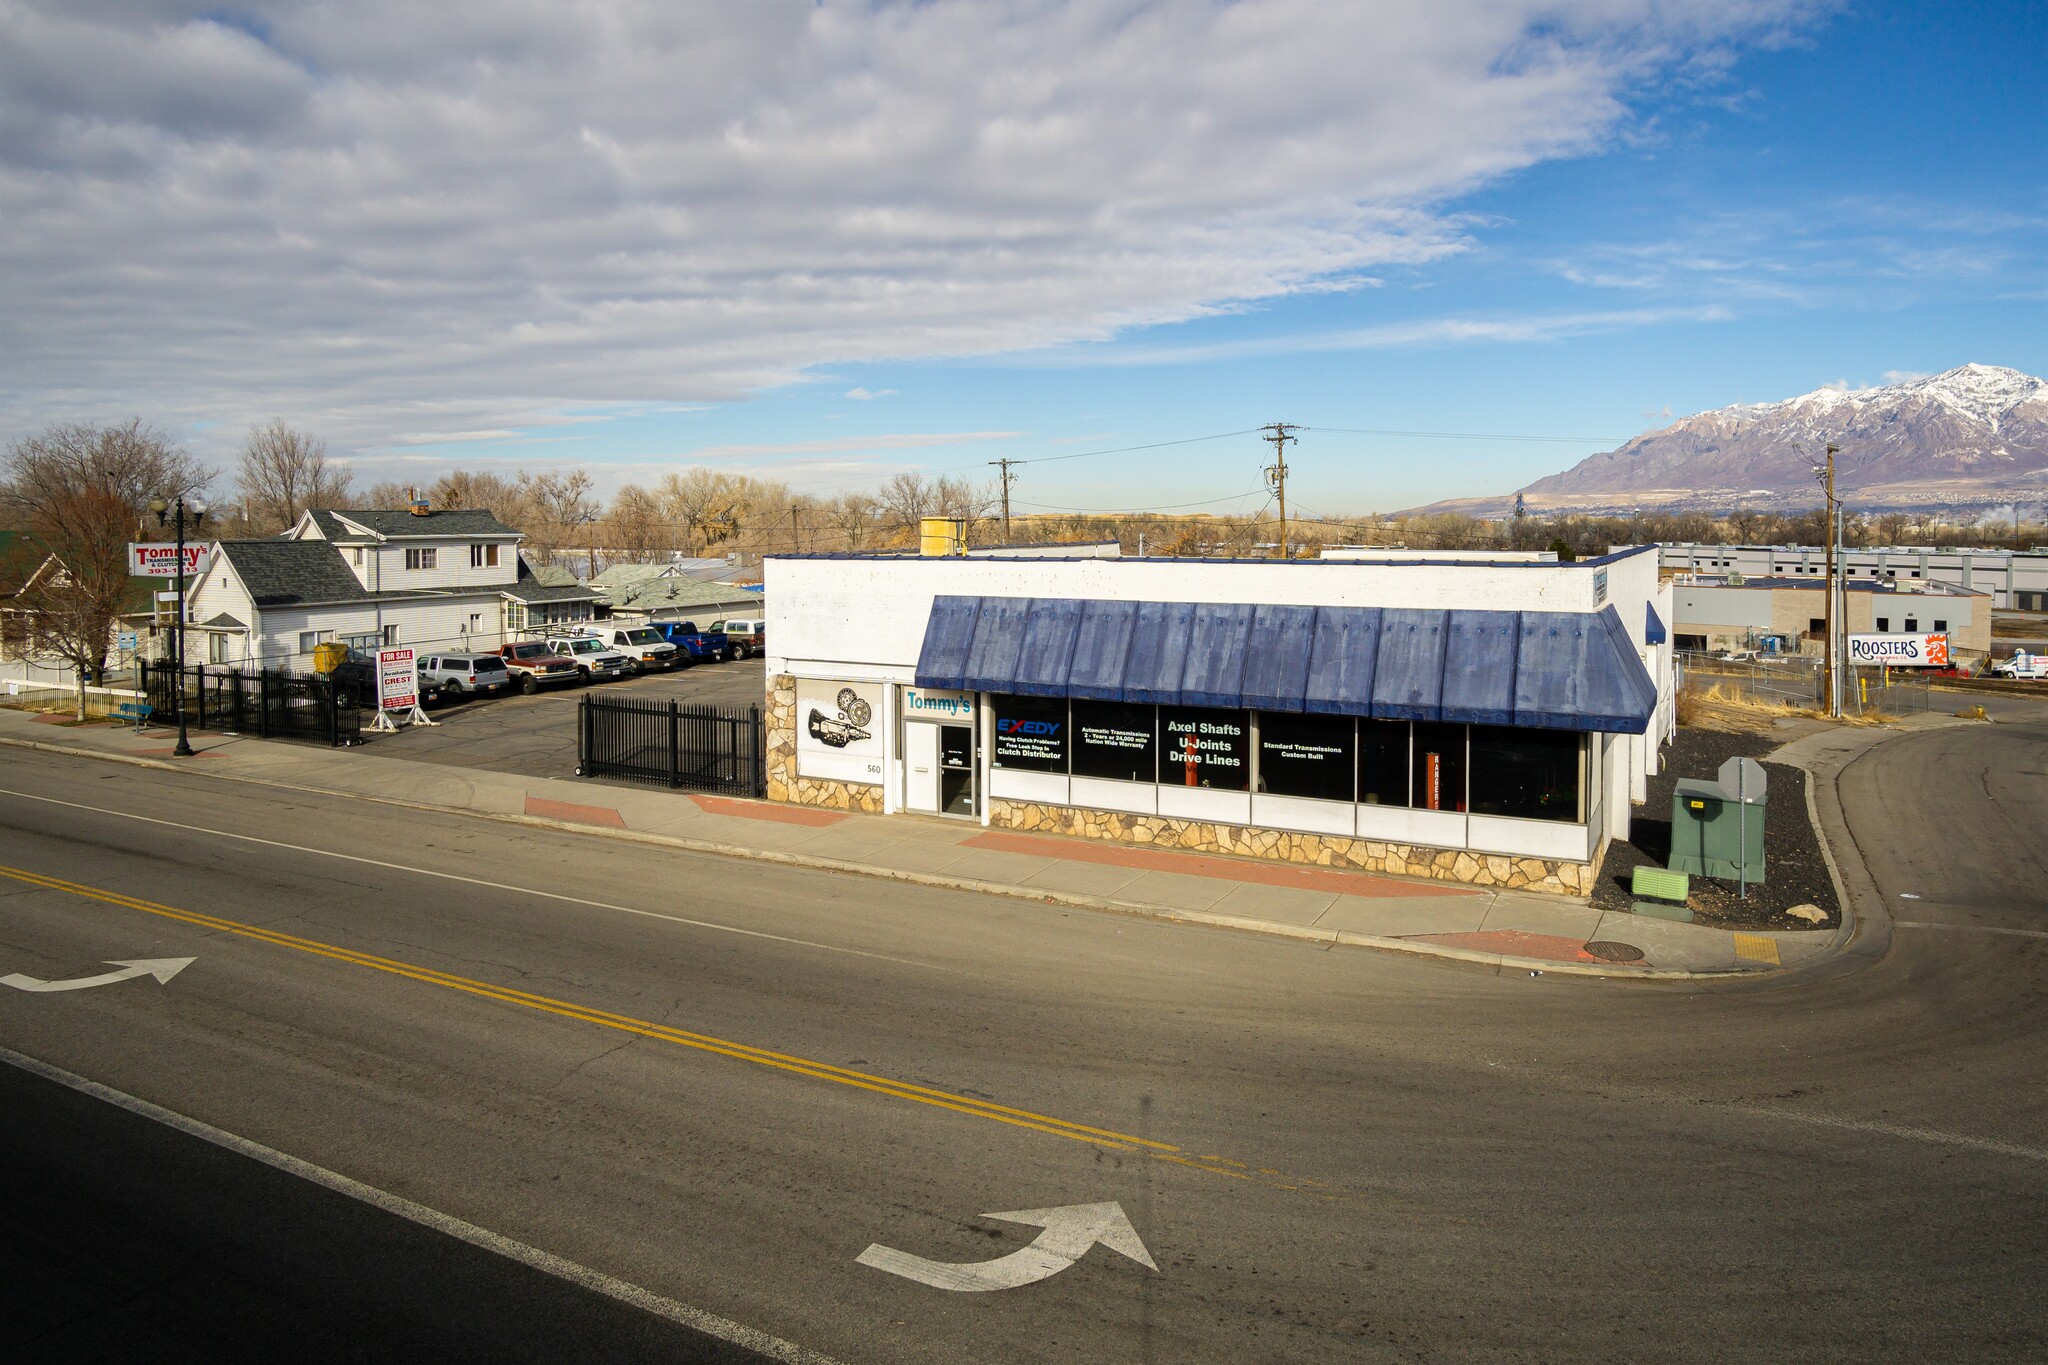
(2021, 665)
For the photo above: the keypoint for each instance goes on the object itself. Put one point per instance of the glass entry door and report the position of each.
(956, 769)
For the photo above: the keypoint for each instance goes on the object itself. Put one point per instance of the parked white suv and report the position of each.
(641, 644)
(594, 659)
(464, 675)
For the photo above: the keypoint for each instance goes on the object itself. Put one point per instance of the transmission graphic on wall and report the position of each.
(849, 726)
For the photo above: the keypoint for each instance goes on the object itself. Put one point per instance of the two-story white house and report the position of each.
(448, 580)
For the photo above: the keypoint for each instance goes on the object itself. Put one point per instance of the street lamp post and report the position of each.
(164, 509)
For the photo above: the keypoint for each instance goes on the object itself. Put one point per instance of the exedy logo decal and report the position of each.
(1047, 728)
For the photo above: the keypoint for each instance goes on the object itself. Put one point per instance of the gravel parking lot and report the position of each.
(536, 735)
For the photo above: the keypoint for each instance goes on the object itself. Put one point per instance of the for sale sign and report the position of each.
(161, 561)
(398, 687)
(1899, 651)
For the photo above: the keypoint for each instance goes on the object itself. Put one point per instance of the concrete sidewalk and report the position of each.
(1506, 930)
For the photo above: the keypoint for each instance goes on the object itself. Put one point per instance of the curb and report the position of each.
(1329, 938)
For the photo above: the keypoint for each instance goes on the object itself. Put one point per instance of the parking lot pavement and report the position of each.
(536, 735)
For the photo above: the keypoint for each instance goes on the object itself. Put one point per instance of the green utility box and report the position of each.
(1717, 827)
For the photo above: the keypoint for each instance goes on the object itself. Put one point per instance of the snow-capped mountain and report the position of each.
(1976, 434)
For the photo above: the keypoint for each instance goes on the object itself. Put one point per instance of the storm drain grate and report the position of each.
(1614, 952)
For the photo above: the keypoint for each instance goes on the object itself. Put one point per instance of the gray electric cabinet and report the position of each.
(1717, 827)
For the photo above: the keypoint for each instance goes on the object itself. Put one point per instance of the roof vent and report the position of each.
(419, 505)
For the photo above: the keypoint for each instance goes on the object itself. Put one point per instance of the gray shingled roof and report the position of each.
(284, 573)
(537, 587)
(462, 521)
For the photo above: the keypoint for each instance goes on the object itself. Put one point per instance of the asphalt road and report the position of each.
(723, 1081)
(536, 735)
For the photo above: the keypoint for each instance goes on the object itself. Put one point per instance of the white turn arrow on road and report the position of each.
(162, 968)
(1069, 1232)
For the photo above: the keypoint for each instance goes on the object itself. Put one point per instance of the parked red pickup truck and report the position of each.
(534, 666)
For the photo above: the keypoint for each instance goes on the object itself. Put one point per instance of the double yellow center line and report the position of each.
(780, 1061)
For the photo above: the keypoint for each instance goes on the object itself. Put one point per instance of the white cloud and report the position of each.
(865, 394)
(1906, 376)
(410, 218)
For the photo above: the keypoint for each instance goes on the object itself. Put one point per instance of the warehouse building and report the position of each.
(2015, 580)
(1788, 615)
(1473, 720)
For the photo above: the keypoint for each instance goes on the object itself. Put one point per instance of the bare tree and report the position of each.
(906, 500)
(633, 528)
(705, 503)
(555, 511)
(82, 490)
(852, 515)
(387, 496)
(284, 472)
(472, 488)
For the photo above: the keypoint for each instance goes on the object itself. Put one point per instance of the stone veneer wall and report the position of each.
(1323, 850)
(783, 782)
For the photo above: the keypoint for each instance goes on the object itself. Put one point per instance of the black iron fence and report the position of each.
(671, 744)
(269, 703)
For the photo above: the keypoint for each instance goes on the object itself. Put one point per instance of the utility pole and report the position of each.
(1280, 433)
(1832, 665)
(796, 545)
(1008, 478)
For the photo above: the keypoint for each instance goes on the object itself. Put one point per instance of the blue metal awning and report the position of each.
(1653, 629)
(1551, 669)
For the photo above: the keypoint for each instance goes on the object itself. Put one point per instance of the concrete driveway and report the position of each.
(536, 735)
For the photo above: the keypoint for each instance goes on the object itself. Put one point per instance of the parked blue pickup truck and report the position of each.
(700, 645)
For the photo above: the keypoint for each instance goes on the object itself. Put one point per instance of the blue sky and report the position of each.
(474, 245)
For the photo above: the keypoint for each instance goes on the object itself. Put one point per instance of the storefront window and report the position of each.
(1529, 774)
(1307, 755)
(1437, 776)
(1383, 762)
(1115, 740)
(1031, 734)
(1199, 747)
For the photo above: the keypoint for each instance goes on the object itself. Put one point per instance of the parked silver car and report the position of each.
(465, 675)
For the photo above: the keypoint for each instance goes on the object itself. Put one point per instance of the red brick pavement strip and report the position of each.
(762, 810)
(1202, 865)
(1514, 943)
(575, 814)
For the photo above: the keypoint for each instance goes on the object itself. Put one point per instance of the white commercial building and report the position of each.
(1478, 720)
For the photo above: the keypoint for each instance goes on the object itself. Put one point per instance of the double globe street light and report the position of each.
(164, 509)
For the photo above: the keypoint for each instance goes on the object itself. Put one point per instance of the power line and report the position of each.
(1472, 435)
(1126, 450)
(1140, 511)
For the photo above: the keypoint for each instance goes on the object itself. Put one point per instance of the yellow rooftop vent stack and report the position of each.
(942, 536)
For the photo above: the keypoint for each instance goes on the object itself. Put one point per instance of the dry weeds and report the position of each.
(1732, 711)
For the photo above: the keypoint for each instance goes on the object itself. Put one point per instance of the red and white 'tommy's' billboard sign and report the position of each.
(161, 561)
(1900, 651)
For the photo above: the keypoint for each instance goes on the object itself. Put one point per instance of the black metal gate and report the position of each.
(269, 704)
(671, 744)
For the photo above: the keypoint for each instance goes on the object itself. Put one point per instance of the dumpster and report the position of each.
(1717, 826)
(329, 655)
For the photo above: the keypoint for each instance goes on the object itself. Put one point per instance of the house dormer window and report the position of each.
(483, 556)
(419, 558)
